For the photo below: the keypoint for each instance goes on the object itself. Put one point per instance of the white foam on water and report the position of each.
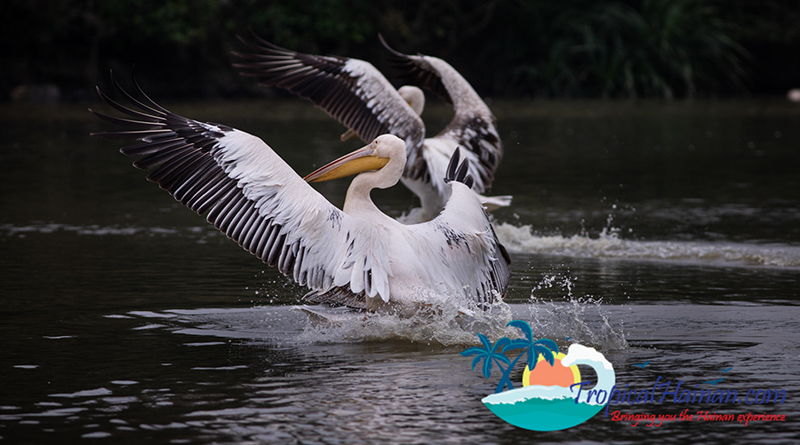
(220, 368)
(445, 325)
(97, 230)
(523, 239)
(570, 320)
(566, 321)
(85, 393)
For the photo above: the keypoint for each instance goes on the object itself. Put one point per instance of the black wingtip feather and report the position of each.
(463, 169)
(453, 165)
(458, 170)
(468, 181)
(143, 94)
(389, 48)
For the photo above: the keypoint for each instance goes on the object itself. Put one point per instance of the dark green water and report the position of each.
(660, 232)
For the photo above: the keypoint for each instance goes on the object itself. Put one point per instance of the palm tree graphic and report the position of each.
(490, 354)
(495, 353)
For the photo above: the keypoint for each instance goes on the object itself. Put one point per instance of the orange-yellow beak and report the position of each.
(361, 160)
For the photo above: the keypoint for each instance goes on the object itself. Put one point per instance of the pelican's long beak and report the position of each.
(361, 160)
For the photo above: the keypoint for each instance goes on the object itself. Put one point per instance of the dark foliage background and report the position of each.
(505, 48)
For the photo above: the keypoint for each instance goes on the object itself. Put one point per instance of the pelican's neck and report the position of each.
(414, 96)
(358, 201)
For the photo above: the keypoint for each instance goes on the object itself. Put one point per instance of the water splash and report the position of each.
(444, 325)
(522, 239)
(573, 319)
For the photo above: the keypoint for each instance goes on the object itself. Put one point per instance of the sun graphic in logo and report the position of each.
(556, 375)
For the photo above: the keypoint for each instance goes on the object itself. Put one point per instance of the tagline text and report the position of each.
(656, 420)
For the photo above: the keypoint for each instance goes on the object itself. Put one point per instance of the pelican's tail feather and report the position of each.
(492, 203)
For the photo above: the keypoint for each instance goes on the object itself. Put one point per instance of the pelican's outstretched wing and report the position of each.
(252, 196)
(352, 91)
(473, 127)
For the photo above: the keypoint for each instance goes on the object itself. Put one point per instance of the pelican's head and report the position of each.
(385, 149)
(414, 97)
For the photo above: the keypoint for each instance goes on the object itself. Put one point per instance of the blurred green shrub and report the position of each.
(518, 48)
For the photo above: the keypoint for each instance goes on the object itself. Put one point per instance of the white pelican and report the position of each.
(358, 95)
(358, 256)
